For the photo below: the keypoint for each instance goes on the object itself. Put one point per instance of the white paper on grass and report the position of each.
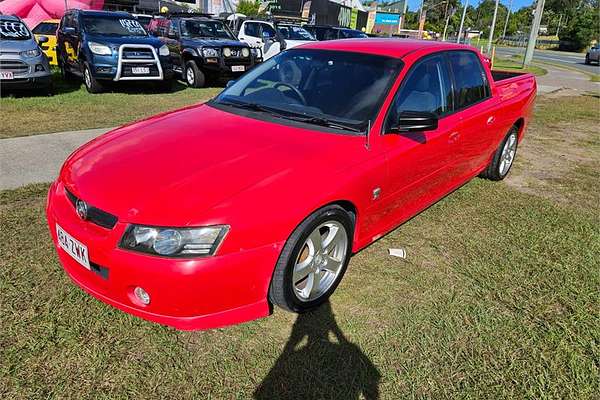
(399, 252)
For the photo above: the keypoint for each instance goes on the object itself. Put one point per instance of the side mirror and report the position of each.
(42, 39)
(69, 30)
(415, 121)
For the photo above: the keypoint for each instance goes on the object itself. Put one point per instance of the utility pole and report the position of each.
(558, 27)
(491, 38)
(507, 16)
(533, 34)
(462, 21)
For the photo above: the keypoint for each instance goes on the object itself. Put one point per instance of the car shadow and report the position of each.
(318, 362)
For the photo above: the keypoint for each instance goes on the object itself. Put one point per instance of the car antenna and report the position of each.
(368, 142)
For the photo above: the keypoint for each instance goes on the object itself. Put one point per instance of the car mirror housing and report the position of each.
(42, 39)
(415, 121)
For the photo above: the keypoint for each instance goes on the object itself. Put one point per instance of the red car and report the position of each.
(209, 215)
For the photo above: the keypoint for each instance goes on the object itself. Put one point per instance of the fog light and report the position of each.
(39, 68)
(141, 295)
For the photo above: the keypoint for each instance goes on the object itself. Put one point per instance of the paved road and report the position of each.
(573, 60)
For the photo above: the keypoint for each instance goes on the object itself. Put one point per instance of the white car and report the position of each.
(271, 38)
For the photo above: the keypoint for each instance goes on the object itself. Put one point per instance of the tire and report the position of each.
(506, 153)
(91, 84)
(193, 76)
(301, 293)
(587, 59)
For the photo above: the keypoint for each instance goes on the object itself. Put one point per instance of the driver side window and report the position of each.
(268, 31)
(252, 29)
(426, 88)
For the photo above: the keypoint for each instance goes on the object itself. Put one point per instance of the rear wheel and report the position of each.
(587, 59)
(503, 157)
(313, 260)
(194, 77)
(91, 84)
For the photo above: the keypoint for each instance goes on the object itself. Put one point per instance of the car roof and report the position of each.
(391, 47)
(98, 13)
(9, 18)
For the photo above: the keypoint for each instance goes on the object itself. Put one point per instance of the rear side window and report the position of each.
(471, 84)
(46, 28)
(426, 88)
(252, 29)
(331, 34)
(268, 31)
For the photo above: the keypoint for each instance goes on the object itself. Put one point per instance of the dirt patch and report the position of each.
(550, 154)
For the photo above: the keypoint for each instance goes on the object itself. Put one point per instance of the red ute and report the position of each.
(208, 215)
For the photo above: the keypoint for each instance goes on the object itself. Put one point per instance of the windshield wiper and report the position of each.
(293, 116)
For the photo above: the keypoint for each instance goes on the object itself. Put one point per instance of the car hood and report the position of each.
(171, 168)
(212, 43)
(116, 41)
(15, 46)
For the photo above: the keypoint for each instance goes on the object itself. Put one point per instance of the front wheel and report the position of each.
(503, 157)
(313, 260)
(587, 59)
(91, 84)
(194, 77)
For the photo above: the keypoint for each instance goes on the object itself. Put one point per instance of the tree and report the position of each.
(581, 29)
(248, 7)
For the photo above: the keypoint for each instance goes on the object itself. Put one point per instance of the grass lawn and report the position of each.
(509, 64)
(72, 107)
(498, 299)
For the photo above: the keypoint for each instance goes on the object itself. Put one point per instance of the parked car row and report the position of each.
(101, 48)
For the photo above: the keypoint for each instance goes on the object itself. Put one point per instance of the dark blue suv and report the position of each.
(102, 46)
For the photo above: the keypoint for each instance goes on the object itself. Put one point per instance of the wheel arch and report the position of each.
(520, 125)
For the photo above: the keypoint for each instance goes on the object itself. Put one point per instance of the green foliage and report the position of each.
(581, 29)
(248, 7)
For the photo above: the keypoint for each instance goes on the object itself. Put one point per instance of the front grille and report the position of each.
(95, 215)
(15, 66)
(128, 72)
(137, 54)
(229, 61)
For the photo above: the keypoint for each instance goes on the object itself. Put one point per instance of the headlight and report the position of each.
(227, 52)
(174, 242)
(99, 49)
(245, 52)
(164, 50)
(209, 52)
(31, 53)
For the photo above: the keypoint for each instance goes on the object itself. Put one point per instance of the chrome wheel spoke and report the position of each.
(316, 241)
(333, 264)
(302, 270)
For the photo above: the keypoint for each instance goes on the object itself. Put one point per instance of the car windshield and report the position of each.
(113, 26)
(46, 28)
(13, 30)
(292, 32)
(337, 89)
(350, 33)
(205, 29)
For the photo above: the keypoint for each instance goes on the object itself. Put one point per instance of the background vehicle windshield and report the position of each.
(352, 34)
(344, 87)
(113, 26)
(46, 28)
(211, 29)
(294, 33)
(13, 30)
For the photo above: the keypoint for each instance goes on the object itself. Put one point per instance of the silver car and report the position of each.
(593, 55)
(23, 64)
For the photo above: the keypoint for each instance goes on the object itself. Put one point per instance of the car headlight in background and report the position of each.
(245, 52)
(99, 49)
(227, 52)
(210, 52)
(31, 53)
(164, 50)
(174, 242)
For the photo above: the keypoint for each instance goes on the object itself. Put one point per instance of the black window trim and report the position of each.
(488, 89)
(451, 109)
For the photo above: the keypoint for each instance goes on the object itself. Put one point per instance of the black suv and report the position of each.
(203, 48)
(325, 32)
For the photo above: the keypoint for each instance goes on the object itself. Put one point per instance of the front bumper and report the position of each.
(117, 68)
(187, 294)
(24, 71)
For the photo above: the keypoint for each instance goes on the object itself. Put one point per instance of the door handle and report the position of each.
(453, 138)
(491, 119)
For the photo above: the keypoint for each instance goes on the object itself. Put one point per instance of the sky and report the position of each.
(516, 4)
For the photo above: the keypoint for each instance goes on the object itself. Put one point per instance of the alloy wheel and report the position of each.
(189, 75)
(320, 261)
(508, 154)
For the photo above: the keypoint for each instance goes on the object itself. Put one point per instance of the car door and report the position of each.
(250, 33)
(421, 165)
(70, 41)
(271, 46)
(480, 122)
